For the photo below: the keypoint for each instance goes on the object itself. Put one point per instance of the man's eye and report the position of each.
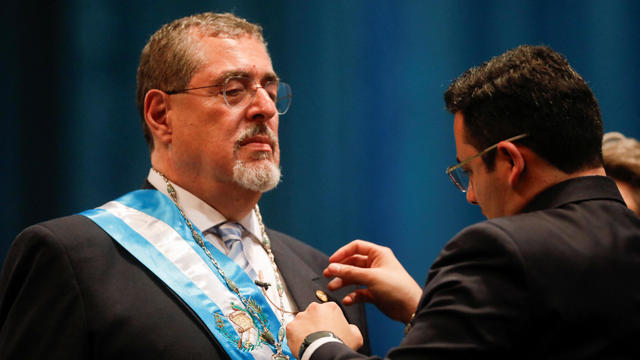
(234, 88)
(234, 92)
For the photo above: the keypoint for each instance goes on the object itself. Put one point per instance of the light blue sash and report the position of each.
(149, 226)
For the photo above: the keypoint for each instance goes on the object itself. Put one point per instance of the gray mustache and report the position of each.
(259, 129)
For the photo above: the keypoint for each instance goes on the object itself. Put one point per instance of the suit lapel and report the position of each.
(296, 272)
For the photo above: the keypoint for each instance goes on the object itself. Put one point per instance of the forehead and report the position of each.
(223, 55)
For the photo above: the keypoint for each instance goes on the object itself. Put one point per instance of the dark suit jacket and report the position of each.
(559, 281)
(69, 291)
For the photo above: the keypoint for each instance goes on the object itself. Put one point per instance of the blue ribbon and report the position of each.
(159, 206)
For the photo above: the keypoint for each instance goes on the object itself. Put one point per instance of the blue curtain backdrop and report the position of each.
(366, 142)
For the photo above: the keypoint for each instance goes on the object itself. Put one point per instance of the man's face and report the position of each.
(213, 144)
(486, 188)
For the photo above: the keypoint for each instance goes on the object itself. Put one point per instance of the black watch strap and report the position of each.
(313, 337)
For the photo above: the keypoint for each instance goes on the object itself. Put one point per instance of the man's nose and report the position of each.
(471, 194)
(262, 107)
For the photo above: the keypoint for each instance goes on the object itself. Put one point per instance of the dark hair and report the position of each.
(534, 90)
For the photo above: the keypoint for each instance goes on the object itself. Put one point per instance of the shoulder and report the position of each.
(482, 240)
(517, 233)
(568, 219)
(69, 225)
(67, 242)
(64, 231)
(508, 239)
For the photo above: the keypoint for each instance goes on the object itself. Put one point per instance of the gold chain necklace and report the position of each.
(266, 244)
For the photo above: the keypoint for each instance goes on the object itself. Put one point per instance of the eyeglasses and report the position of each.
(239, 91)
(460, 177)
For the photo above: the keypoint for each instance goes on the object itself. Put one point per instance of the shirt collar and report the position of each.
(577, 189)
(202, 215)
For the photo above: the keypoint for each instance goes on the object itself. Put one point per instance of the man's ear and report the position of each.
(156, 109)
(517, 162)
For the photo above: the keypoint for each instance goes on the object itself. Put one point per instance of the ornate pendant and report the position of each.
(244, 324)
(242, 320)
(279, 356)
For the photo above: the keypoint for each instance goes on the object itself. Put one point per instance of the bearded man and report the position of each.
(183, 268)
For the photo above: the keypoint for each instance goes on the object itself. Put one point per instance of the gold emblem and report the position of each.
(321, 296)
(242, 320)
(244, 324)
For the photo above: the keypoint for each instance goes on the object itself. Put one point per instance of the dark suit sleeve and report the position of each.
(41, 310)
(474, 304)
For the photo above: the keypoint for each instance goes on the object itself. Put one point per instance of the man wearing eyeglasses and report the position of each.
(552, 273)
(184, 268)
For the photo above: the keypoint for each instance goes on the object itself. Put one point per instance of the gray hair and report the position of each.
(171, 56)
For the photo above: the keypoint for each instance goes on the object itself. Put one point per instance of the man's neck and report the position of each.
(538, 181)
(232, 201)
(229, 199)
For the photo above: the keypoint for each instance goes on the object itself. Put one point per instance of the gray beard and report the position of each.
(261, 176)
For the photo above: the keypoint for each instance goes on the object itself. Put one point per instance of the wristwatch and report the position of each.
(313, 337)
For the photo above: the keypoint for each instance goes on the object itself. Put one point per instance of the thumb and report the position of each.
(358, 296)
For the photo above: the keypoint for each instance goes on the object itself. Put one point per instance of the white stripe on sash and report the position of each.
(170, 244)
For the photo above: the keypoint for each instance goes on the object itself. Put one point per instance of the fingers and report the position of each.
(349, 274)
(336, 283)
(358, 296)
(349, 299)
(304, 323)
(356, 260)
(361, 262)
(355, 247)
(317, 317)
(332, 270)
(361, 296)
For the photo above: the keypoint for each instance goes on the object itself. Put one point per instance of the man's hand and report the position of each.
(322, 317)
(387, 284)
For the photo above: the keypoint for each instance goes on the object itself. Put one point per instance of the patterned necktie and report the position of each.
(231, 234)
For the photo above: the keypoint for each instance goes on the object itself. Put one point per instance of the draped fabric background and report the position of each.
(366, 142)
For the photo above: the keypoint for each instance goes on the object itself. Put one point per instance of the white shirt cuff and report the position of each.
(316, 344)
